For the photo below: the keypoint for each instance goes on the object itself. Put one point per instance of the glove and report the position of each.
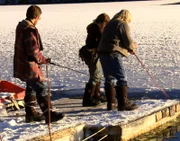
(48, 60)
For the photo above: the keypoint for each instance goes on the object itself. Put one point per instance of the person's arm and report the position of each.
(128, 43)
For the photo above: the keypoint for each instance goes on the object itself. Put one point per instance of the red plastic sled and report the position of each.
(15, 92)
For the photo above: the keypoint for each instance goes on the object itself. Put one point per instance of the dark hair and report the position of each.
(33, 11)
(102, 18)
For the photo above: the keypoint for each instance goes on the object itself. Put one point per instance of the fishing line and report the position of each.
(154, 80)
(55, 64)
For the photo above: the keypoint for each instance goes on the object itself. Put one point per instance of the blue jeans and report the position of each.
(113, 69)
(37, 89)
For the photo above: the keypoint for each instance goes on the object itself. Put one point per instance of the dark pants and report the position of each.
(37, 89)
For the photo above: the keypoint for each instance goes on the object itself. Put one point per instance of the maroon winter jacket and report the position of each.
(27, 53)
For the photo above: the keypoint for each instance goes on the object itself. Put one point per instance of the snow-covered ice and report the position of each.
(156, 28)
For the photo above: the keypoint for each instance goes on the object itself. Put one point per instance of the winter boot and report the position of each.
(88, 98)
(111, 97)
(31, 113)
(123, 102)
(97, 93)
(54, 116)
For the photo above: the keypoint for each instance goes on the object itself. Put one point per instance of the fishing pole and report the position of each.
(49, 114)
(55, 64)
(157, 84)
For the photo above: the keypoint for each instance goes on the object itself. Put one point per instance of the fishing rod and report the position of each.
(157, 84)
(49, 114)
(55, 64)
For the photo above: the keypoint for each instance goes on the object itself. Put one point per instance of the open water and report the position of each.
(166, 132)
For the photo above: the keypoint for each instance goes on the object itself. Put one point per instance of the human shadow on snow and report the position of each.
(154, 94)
(133, 93)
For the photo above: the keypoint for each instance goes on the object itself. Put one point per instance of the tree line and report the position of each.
(9, 2)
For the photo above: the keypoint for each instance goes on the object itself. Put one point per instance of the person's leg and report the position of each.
(88, 97)
(111, 96)
(110, 81)
(95, 72)
(96, 77)
(30, 105)
(43, 101)
(122, 96)
(121, 87)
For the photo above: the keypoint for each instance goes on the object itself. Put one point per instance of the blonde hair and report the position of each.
(123, 15)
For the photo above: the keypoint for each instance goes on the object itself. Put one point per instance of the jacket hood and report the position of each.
(91, 25)
(24, 24)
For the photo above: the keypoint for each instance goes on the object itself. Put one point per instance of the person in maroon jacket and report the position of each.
(27, 67)
(92, 95)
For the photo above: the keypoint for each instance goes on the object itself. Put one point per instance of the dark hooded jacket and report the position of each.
(94, 35)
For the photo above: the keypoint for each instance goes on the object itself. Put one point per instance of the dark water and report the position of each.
(167, 132)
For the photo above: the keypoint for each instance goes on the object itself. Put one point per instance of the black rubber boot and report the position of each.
(88, 97)
(31, 114)
(123, 103)
(54, 116)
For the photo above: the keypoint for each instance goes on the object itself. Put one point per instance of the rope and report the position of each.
(49, 116)
(157, 84)
(103, 138)
(94, 134)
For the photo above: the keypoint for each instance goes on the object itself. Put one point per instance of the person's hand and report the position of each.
(48, 60)
(132, 52)
(135, 45)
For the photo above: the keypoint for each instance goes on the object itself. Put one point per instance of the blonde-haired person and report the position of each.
(92, 95)
(116, 43)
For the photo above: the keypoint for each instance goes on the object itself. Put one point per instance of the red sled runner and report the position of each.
(14, 95)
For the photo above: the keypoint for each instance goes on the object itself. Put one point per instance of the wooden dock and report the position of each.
(123, 131)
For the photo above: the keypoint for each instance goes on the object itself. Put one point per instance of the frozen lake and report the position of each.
(155, 26)
(63, 29)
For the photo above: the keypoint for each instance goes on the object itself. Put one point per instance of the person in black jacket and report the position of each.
(92, 95)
